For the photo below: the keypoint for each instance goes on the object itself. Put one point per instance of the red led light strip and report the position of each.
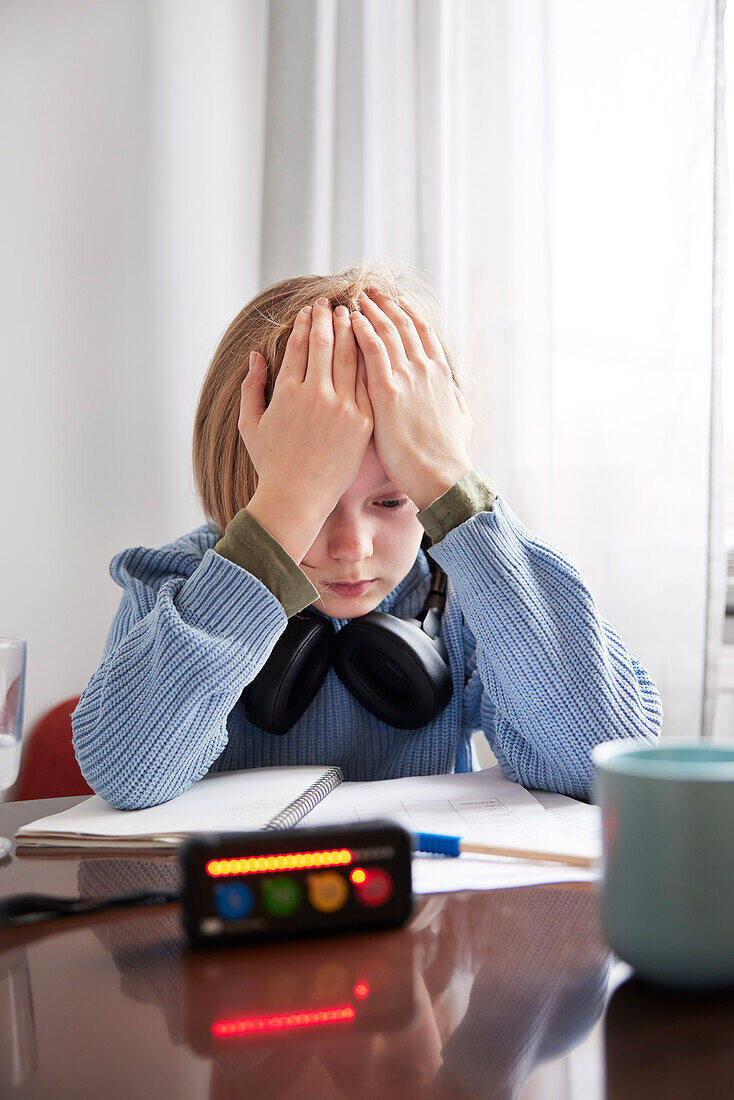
(286, 861)
(250, 1025)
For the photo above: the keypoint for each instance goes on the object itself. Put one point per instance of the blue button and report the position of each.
(233, 900)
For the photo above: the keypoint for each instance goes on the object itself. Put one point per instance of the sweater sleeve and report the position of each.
(551, 677)
(249, 545)
(189, 634)
(474, 492)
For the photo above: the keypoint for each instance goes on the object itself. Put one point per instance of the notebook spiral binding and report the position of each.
(291, 815)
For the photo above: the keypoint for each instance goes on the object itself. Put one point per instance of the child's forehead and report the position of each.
(371, 477)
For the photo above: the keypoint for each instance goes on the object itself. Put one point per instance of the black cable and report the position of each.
(28, 908)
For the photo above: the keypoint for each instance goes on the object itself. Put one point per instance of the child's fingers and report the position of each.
(378, 368)
(425, 331)
(345, 354)
(361, 396)
(385, 328)
(295, 358)
(252, 397)
(321, 345)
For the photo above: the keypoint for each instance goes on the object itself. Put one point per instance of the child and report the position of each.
(321, 470)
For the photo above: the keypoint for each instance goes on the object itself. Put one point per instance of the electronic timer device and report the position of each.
(292, 882)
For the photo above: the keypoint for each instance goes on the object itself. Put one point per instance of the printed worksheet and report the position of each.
(579, 817)
(480, 806)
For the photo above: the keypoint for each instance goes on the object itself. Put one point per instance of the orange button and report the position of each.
(327, 891)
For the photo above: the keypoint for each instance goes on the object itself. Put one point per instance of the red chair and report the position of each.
(49, 768)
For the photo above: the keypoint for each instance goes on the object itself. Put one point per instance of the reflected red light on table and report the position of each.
(257, 1025)
(361, 989)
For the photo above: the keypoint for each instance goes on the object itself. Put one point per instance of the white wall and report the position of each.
(118, 276)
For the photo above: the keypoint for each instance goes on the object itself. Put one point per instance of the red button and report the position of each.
(376, 889)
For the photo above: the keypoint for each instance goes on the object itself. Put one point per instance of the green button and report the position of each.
(281, 895)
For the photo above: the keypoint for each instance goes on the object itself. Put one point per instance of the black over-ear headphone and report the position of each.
(396, 667)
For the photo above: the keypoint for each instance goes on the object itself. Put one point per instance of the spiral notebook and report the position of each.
(260, 798)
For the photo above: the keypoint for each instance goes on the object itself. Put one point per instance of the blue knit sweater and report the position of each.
(534, 666)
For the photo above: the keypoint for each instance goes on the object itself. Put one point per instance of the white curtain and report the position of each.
(554, 167)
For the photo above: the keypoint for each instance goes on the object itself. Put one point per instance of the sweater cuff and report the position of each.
(474, 492)
(249, 545)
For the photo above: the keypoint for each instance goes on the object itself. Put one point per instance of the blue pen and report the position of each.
(454, 846)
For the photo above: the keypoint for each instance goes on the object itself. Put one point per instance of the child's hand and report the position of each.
(422, 422)
(308, 444)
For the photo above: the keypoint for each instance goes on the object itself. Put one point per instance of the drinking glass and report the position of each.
(12, 692)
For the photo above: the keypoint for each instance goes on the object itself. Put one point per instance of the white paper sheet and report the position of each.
(482, 806)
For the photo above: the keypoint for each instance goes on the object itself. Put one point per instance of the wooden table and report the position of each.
(508, 993)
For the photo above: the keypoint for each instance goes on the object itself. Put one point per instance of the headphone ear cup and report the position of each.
(393, 668)
(292, 675)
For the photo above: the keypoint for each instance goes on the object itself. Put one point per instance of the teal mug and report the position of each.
(667, 889)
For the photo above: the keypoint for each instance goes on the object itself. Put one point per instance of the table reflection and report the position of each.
(18, 1044)
(468, 1000)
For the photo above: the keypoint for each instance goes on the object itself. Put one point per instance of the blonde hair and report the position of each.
(223, 472)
